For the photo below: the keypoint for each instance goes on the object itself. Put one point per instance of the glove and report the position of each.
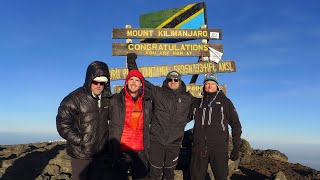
(131, 61)
(234, 154)
(131, 56)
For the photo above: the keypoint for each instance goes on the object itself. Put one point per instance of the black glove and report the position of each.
(234, 154)
(131, 61)
(131, 56)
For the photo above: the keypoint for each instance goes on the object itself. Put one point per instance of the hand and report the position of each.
(234, 154)
(131, 56)
(131, 61)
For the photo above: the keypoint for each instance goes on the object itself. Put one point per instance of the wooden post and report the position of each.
(204, 41)
(128, 41)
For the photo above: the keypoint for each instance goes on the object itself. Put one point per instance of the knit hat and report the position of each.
(210, 77)
(173, 74)
(101, 79)
(135, 73)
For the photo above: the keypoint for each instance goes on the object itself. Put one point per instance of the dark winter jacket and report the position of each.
(117, 119)
(212, 114)
(80, 121)
(171, 113)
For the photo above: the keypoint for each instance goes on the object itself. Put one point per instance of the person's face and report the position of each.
(97, 87)
(173, 83)
(134, 83)
(210, 86)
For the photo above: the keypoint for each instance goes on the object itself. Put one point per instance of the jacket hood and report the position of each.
(96, 69)
(137, 74)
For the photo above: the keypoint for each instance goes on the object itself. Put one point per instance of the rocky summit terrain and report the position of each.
(49, 161)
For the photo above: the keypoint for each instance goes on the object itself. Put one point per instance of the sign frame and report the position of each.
(164, 49)
(183, 69)
(166, 33)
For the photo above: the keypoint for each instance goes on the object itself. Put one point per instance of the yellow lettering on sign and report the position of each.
(166, 47)
(130, 47)
(174, 33)
(151, 53)
(194, 87)
(163, 70)
(114, 74)
(124, 73)
(164, 53)
(160, 48)
(177, 53)
(183, 68)
(160, 33)
(188, 53)
(196, 68)
(225, 66)
(139, 32)
(154, 71)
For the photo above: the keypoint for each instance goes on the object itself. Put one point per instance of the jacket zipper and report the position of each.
(222, 114)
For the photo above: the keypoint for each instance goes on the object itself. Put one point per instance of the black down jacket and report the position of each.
(80, 121)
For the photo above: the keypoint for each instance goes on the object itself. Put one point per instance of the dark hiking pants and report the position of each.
(200, 160)
(80, 168)
(163, 161)
(134, 161)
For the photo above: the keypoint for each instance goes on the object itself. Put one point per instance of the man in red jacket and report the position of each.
(129, 128)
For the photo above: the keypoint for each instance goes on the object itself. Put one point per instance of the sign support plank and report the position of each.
(183, 69)
(166, 33)
(163, 49)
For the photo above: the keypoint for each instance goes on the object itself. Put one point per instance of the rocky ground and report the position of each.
(49, 161)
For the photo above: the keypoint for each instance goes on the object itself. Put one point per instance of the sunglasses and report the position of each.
(96, 83)
(175, 80)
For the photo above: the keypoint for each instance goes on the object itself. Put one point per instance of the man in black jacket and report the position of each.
(212, 115)
(130, 115)
(171, 111)
(83, 119)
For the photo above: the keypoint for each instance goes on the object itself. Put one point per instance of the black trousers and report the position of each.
(200, 160)
(163, 160)
(134, 161)
(80, 168)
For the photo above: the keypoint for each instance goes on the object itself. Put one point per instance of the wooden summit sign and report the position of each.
(164, 49)
(167, 33)
(195, 90)
(183, 69)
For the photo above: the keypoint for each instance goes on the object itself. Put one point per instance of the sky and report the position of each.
(46, 46)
